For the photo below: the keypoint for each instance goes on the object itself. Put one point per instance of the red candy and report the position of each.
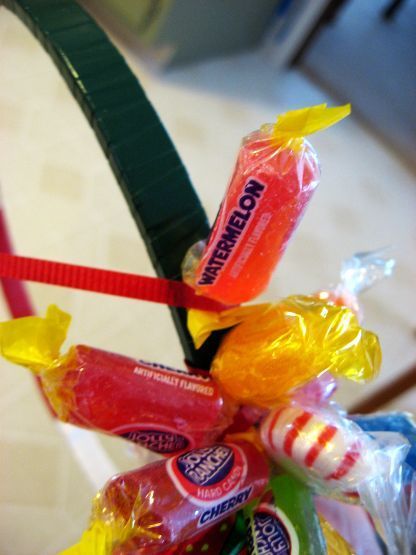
(265, 200)
(168, 502)
(162, 409)
(209, 542)
(276, 173)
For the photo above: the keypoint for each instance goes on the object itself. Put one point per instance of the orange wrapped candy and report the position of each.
(277, 347)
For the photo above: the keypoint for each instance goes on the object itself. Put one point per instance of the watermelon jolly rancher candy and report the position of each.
(276, 173)
(148, 510)
(164, 410)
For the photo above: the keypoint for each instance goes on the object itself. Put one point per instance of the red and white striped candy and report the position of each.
(323, 444)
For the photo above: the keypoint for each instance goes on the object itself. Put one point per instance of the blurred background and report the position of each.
(214, 71)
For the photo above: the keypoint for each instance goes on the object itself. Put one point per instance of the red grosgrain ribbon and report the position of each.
(157, 290)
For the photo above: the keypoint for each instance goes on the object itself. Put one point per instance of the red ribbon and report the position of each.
(157, 290)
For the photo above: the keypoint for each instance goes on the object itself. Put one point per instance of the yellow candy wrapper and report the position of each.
(298, 124)
(335, 543)
(33, 341)
(108, 529)
(276, 347)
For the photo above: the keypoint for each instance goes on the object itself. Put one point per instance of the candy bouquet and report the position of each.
(253, 451)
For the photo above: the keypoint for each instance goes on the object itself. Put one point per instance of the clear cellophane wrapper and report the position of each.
(330, 452)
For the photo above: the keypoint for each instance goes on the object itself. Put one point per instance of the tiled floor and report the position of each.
(64, 205)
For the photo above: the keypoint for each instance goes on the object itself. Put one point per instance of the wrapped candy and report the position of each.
(359, 273)
(289, 348)
(386, 496)
(274, 348)
(208, 542)
(276, 172)
(148, 510)
(164, 410)
(330, 452)
(317, 391)
(285, 521)
(399, 422)
(319, 445)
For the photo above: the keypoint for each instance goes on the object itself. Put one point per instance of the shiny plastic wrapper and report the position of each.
(149, 510)
(399, 422)
(331, 453)
(335, 543)
(359, 273)
(317, 391)
(320, 445)
(386, 496)
(274, 348)
(275, 175)
(162, 409)
(209, 542)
